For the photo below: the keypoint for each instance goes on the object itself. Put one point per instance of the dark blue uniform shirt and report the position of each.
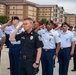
(29, 43)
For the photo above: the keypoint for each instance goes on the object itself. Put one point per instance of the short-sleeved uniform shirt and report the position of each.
(66, 39)
(2, 34)
(10, 29)
(74, 32)
(29, 43)
(49, 38)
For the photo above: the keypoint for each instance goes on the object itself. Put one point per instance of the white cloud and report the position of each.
(69, 5)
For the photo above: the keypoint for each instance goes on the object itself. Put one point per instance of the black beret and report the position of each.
(50, 21)
(65, 23)
(75, 27)
(15, 18)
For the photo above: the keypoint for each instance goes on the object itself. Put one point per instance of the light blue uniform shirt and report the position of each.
(11, 29)
(74, 32)
(49, 38)
(2, 34)
(59, 31)
(66, 39)
(8, 29)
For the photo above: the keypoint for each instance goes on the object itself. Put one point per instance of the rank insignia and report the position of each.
(67, 39)
(49, 39)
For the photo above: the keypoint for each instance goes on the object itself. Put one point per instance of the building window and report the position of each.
(42, 14)
(55, 15)
(8, 7)
(13, 12)
(55, 10)
(61, 20)
(8, 12)
(61, 16)
(13, 7)
(61, 12)
(55, 19)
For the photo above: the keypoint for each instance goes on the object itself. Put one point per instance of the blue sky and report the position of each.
(69, 5)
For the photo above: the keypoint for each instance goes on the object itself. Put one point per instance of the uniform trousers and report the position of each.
(74, 58)
(47, 61)
(64, 58)
(7, 42)
(14, 54)
(26, 66)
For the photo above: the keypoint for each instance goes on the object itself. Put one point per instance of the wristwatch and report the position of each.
(55, 54)
(37, 63)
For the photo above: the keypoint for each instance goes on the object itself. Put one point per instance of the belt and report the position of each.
(48, 49)
(26, 57)
(14, 44)
(65, 48)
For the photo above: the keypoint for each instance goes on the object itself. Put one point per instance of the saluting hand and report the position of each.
(9, 23)
(19, 27)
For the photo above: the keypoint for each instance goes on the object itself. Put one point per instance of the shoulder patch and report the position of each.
(39, 38)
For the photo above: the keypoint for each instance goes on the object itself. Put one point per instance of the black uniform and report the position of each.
(29, 45)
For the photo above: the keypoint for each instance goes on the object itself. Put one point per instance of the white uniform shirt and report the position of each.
(66, 39)
(49, 39)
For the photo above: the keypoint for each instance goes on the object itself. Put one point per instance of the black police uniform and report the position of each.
(29, 45)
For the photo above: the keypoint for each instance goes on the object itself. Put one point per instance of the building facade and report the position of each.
(12, 0)
(24, 8)
(70, 19)
(2, 9)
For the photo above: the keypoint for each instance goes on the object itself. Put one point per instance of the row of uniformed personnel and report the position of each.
(29, 47)
(61, 44)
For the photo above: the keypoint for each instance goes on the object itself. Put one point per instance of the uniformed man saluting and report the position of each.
(31, 47)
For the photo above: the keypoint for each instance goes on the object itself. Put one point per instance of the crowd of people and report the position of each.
(29, 43)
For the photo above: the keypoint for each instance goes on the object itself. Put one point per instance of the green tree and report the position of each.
(43, 20)
(3, 19)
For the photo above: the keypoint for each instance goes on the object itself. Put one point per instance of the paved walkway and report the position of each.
(5, 64)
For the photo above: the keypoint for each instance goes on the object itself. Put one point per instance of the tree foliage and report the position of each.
(3, 19)
(43, 20)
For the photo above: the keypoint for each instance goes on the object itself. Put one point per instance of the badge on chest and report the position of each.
(31, 37)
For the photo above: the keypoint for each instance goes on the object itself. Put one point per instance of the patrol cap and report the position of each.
(71, 27)
(15, 18)
(75, 27)
(50, 21)
(65, 23)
